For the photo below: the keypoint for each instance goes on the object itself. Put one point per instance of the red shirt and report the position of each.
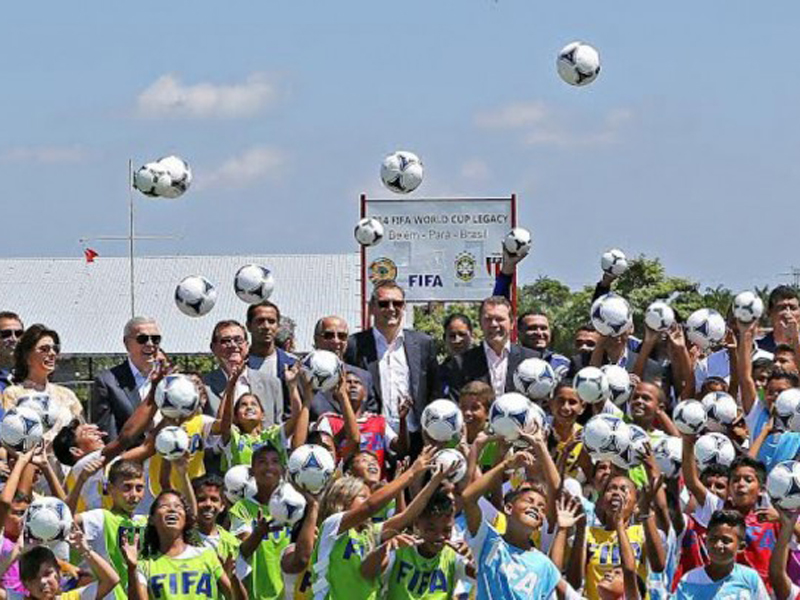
(376, 434)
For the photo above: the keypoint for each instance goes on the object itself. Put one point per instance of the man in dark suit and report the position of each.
(494, 361)
(402, 362)
(119, 390)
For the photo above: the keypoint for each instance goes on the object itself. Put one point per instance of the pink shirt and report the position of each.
(11, 580)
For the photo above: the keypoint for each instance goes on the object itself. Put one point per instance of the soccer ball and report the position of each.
(705, 328)
(721, 409)
(180, 175)
(747, 307)
(783, 484)
(668, 454)
(21, 428)
(239, 484)
(714, 448)
(606, 436)
(402, 172)
(177, 396)
(172, 442)
(620, 386)
(538, 417)
(591, 385)
(448, 457)
(49, 412)
(442, 420)
(323, 369)
(659, 316)
(637, 437)
(369, 232)
(787, 410)
(48, 519)
(286, 504)
(611, 315)
(535, 378)
(195, 296)
(152, 180)
(578, 64)
(518, 242)
(690, 417)
(510, 414)
(253, 283)
(311, 467)
(614, 262)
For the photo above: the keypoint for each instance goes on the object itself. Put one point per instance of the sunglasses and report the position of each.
(338, 335)
(143, 338)
(47, 348)
(7, 333)
(388, 303)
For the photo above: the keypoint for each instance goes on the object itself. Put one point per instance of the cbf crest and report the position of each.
(465, 266)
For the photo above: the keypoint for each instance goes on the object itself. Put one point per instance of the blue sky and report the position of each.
(684, 148)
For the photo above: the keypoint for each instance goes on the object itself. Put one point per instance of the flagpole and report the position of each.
(131, 237)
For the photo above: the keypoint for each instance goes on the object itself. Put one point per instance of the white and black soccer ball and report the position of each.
(253, 283)
(442, 420)
(611, 315)
(638, 438)
(705, 328)
(369, 232)
(783, 484)
(668, 454)
(659, 316)
(172, 442)
(311, 467)
(180, 174)
(614, 262)
(177, 396)
(690, 417)
(535, 378)
(286, 505)
(721, 409)
(578, 64)
(152, 180)
(747, 307)
(402, 172)
(323, 369)
(606, 437)
(447, 457)
(620, 386)
(48, 519)
(511, 414)
(239, 484)
(48, 410)
(787, 410)
(518, 242)
(21, 429)
(195, 296)
(591, 385)
(714, 449)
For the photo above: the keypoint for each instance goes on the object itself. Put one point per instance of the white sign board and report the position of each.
(438, 250)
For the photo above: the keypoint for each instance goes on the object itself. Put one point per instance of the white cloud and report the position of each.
(513, 116)
(475, 170)
(45, 154)
(167, 96)
(254, 164)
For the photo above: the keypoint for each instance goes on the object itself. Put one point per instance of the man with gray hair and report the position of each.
(118, 391)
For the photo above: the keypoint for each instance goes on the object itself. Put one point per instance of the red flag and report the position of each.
(90, 255)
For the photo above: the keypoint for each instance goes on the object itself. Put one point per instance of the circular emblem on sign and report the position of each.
(465, 266)
(382, 269)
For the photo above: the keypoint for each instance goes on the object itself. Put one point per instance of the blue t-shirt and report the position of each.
(743, 583)
(788, 448)
(508, 572)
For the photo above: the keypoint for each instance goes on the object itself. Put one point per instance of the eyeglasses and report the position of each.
(394, 303)
(235, 341)
(339, 335)
(143, 338)
(47, 349)
(7, 333)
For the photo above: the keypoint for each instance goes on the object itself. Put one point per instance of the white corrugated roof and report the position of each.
(89, 303)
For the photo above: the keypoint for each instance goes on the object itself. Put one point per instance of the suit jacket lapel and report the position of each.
(513, 363)
(129, 387)
(411, 348)
(369, 359)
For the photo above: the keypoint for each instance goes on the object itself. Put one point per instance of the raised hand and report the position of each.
(77, 539)
(405, 406)
(675, 336)
(648, 493)
(92, 467)
(130, 549)
(424, 460)
(569, 511)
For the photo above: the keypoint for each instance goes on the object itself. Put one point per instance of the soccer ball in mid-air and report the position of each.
(721, 409)
(659, 316)
(632, 456)
(402, 172)
(690, 417)
(442, 420)
(668, 454)
(535, 378)
(787, 410)
(783, 484)
(591, 385)
(239, 484)
(614, 262)
(172, 442)
(511, 414)
(195, 296)
(152, 180)
(606, 436)
(578, 63)
(620, 386)
(714, 449)
(177, 396)
(180, 174)
(447, 457)
(21, 428)
(253, 283)
(611, 315)
(48, 519)
(747, 307)
(311, 467)
(323, 369)
(705, 328)
(369, 232)
(518, 242)
(286, 505)
(49, 412)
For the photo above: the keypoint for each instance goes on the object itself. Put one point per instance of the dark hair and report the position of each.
(32, 559)
(22, 497)
(7, 314)
(208, 480)
(732, 518)
(441, 504)
(526, 487)
(245, 395)
(495, 301)
(792, 378)
(251, 310)
(152, 546)
(480, 390)
(783, 348)
(762, 363)
(457, 317)
(348, 464)
(388, 284)
(715, 470)
(710, 380)
(782, 292)
(263, 449)
(65, 441)
(26, 345)
(531, 313)
(226, 323)
(315, 437)
(122, 470)
(748, 461)
(586, 327)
